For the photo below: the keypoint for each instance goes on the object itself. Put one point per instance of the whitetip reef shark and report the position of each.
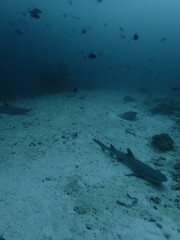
(139, 168)
(11, 110)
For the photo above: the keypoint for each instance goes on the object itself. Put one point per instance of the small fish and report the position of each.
(18, 31)
(70, 2)
(174, 89)
(163, 39)
(121, 29)
(83, 31)
(34, 15)
(34, 12)
(135, 37)
(11, 23)
(92, 56)
(76, 17)
(75, 90)
(99, 1)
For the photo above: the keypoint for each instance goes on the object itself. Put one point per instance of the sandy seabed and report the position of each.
(57, 184)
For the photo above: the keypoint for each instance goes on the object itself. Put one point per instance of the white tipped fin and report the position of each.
(129, 153)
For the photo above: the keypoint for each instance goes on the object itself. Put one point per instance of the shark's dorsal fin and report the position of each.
(112, 147)
(129, 153)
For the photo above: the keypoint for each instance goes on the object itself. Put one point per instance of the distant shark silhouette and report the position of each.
(11, 110)
(139, 168)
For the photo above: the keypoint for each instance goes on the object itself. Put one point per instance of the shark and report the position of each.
(140, 169)
(12, 110)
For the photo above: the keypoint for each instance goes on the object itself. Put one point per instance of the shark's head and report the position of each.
(156, 177)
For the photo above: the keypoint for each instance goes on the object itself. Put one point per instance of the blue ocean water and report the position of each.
(55, 182)
(53, 49)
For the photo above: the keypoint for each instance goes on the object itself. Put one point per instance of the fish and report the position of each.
(139, 168)
(76, 18)
(121, 29)
(174, 89)
(135, 37)
(11, 23)
(34, 12)
(163, 39)
(34, 15)
(70, 2)
(11, 110)
(19, 32)
(83, 31)
(92, 56)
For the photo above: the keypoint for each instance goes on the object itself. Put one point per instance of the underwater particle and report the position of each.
(163, 142)
(92, 56)
(99, 1)
(136, 36)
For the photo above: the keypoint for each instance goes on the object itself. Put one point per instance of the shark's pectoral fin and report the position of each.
(134, 174)
(129, 153)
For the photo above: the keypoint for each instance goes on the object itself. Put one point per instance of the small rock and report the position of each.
(88, 226)
(156, 200)
(163, 142)
(80, 209)
(130, 116)
(128, 99)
